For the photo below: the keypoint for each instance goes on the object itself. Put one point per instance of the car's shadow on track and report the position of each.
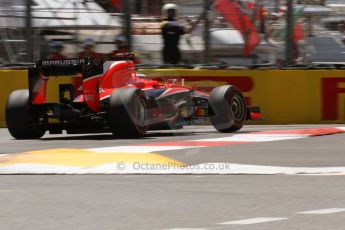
(148, 136)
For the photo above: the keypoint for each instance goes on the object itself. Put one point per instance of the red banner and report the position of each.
(298, 33)
(231, 11)
(117, 4)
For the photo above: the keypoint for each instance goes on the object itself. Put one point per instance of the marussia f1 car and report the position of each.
(113, 98)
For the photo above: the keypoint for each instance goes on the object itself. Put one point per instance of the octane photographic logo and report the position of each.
(66, 62)
(172, 167)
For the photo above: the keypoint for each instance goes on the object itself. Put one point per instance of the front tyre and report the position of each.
(229, 108)
(127, 114)
(21, 121)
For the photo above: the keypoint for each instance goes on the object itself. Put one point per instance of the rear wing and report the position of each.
(81, 68)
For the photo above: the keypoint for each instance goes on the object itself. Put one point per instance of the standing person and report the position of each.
(341, 28)
(122, 49)
(88, 45)
(172, 30)
(56, 51)
(88, 52)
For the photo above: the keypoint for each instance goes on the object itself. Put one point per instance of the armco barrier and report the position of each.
(285, 96)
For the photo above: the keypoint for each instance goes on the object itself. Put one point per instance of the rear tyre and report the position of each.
(229, 108)
(127, 115)
(21, 121)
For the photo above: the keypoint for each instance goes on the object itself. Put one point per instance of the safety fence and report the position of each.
(285, 96)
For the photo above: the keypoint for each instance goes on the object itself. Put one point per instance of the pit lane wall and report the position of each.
(285, 96)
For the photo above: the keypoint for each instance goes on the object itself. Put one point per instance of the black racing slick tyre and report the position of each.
(21, 120)
(127, 114)
(228, 107)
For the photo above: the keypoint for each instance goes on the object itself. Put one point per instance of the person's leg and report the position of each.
(169, 56)
(177, 56)
(165, 56)
(174, 56)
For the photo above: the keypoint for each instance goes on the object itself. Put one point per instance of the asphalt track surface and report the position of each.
(182, 201)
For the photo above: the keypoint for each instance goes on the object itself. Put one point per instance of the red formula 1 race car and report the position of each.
(113, 98)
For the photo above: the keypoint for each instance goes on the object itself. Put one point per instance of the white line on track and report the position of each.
(323, 211)
(139, 149)
(341, 128)
(185, 229)
(236, 137)
(257, 137)
(253, 221)
(260, 220)
(206, 169)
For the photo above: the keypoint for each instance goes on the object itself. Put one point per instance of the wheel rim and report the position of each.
(141, 113)
(237, 108)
